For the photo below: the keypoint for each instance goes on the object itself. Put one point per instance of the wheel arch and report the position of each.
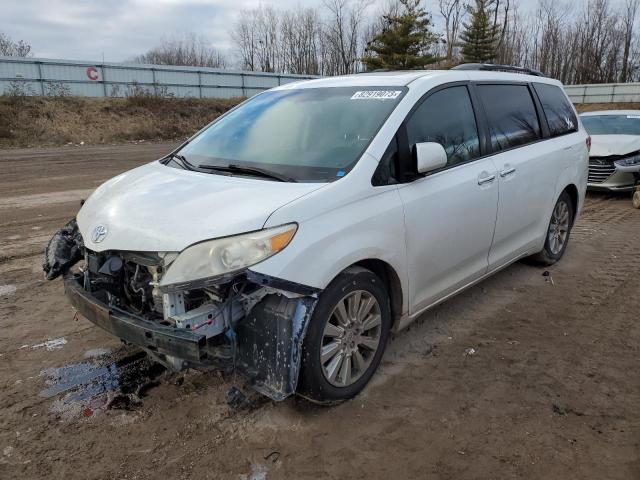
(572, 191)
(391, 280)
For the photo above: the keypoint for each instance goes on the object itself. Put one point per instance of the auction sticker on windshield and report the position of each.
(376, 95)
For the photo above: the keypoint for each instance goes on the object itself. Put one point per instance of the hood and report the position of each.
(606, 145)
(155, 208)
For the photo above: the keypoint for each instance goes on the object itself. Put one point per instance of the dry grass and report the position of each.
(593, 107)
(41, 121)
(48, 121)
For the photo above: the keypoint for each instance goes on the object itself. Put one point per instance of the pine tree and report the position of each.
(480, 36)
(404, 42)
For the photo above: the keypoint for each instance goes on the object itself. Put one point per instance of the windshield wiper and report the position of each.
(182, 161)
(255, 171)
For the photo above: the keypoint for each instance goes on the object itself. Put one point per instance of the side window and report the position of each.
(560, 115)
(446, 117)
(511, 114)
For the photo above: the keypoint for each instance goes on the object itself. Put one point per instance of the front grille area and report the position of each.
(600, 170)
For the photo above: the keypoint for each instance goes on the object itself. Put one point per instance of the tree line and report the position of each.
(593, 41)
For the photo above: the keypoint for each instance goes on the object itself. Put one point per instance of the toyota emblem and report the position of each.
(98, 234)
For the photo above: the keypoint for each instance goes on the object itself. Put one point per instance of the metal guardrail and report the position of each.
(36, 76)
(604, 93)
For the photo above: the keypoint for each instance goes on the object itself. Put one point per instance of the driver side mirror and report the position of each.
(429, 156)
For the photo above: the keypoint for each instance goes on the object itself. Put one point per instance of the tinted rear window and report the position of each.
(512, 116)
(557, 109)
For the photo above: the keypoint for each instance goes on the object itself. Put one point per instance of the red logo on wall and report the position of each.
(92, 73)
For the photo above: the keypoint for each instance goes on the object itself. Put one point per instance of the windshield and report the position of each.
(308, 134)
(612, 124)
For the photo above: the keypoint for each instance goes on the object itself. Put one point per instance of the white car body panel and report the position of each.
(339, 225)
(439, 233)
(448, 240)
(606, 145)
(155, 208)
(525, 201)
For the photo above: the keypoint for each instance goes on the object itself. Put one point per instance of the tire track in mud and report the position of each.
(605, 229)
(194, 431)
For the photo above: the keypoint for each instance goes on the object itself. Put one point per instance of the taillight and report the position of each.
(589, 143)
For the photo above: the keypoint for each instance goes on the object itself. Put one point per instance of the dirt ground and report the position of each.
(550, 391)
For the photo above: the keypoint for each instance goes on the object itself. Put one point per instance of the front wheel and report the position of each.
(636, 198)
(346, 337)
(558, 231)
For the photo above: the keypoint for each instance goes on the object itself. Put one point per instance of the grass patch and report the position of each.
(48, 121)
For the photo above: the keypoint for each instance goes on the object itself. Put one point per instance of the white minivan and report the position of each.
(289, 237)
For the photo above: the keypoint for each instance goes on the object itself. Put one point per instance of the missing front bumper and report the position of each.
(266, 343)
(164, 340)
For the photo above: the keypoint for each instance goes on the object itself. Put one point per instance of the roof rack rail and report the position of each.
(492, 67)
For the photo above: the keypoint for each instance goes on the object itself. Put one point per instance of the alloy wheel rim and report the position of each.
(351, 338)
(558, 228)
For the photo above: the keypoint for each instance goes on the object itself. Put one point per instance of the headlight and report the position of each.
(629, 161)
(228, 254)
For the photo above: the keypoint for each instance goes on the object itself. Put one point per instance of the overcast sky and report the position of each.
(121, 29)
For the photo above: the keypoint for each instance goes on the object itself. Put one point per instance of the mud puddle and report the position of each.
(103, 381)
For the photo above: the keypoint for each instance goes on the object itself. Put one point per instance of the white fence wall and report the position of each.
(38, 76)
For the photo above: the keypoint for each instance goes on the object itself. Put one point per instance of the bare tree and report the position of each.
(300, 31)
(9, 48)
(343, 36)
(244, 37)
(593, 43)
(327, 41)
(257, 37)
(628, 22)
(188, 50)
(588, 42)
(453, 12)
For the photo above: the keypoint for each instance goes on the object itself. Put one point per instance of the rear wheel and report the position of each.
(346, 337)
(558, 231)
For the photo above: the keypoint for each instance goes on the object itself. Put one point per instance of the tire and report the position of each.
(337, 378)
(557, 231)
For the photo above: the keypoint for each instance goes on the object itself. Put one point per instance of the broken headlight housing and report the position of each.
(629, 161)
(225, 255)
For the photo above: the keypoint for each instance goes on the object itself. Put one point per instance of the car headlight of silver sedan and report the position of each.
(628, 161)
(228, 254)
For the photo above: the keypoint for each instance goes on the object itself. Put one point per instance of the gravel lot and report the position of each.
(551, 391)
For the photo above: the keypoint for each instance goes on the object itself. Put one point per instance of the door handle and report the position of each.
(487, 179)
(507, 172)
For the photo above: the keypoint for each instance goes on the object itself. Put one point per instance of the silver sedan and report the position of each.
(614, 160)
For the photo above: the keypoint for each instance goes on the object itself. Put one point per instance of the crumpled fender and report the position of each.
(269, 343)
(63, 251)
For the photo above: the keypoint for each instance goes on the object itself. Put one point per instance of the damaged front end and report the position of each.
(239, 321)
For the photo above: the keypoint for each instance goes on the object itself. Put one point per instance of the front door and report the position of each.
(449, 214)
